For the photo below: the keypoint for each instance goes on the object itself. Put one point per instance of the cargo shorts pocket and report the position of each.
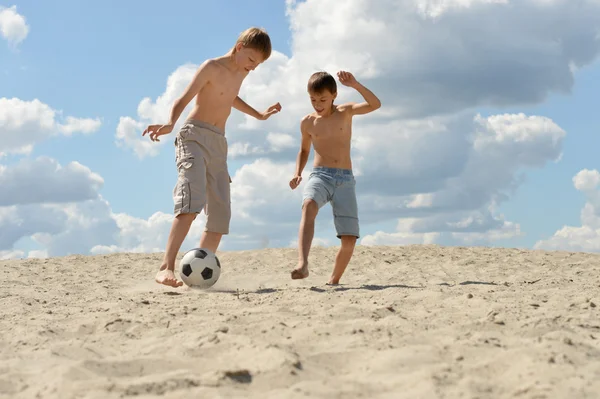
(184, 158)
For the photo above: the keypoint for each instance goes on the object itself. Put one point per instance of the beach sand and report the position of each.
(407, 322)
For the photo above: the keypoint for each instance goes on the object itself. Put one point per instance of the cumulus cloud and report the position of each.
(129, 130)
(13, 25)
(587, 236)
(20, 221)
(44, 180)
(446, 176)
(26, 123)
(430, 57)
(147, 235)
(423, 58)
(86, 227)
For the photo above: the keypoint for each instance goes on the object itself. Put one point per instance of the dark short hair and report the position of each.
(321, 81)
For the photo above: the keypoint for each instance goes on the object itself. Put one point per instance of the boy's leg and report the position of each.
(342, 258)
(345, 216)
(189, 197)
(179, 229)
(306, 232)
(316, 194)
(218, 189)
(210, 240)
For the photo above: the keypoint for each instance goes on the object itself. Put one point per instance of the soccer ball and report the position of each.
(199, 268)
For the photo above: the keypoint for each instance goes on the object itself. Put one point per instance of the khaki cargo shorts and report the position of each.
(203, 181)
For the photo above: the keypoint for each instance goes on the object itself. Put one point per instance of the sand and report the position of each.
(407, 322)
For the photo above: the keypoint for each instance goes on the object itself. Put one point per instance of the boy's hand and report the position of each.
(273, 109)
(295, 182)
(157, 130)
(347, 79)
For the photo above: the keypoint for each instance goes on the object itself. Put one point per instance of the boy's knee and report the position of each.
(186, 215)
(348, 241)
(310, 206)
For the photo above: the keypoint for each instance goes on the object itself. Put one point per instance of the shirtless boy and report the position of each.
(201, 146)
(329, 130)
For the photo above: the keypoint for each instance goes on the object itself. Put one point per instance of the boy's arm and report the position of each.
(371, 101)
(201, 77)
(242, 106)
(303, 154)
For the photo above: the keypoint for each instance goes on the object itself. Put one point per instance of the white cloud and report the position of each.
(11, 254)
(422, 65)
(26, 123)
(79, 125)
(20, 221)
(43, 180)
(383, 238)
(13, 25)
(435, 8)
(129, 131)
(141, 235)
(586, 180)
(587, 236)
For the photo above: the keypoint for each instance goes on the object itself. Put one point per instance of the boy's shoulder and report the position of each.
(215, 64)
(345, 107)
(309, 117)
(307, 121)
(211, 64)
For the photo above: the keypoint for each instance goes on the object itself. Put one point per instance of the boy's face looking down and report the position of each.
(322, 101)
(322, 90)
(246, 58)
(253, 47)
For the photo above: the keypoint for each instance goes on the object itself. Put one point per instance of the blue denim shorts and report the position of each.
(338, 187)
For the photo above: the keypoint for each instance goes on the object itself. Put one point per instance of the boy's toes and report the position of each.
(298, 274)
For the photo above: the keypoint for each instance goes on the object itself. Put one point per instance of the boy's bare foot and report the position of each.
(167, 277)
(300, 272)
(334, 281)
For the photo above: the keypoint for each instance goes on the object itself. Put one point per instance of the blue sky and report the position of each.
(100, 60)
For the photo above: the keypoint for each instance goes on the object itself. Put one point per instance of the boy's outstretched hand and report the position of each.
(295, 182)
(347, 79)
(273, 109)
(157, 130)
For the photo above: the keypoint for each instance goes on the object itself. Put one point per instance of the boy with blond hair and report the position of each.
(203, 181)
(329, 130)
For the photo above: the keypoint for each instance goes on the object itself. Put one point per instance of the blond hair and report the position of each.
(257, 39)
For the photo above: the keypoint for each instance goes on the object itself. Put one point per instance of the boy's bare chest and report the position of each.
(330, 129)
(226, 90)
(225, 87)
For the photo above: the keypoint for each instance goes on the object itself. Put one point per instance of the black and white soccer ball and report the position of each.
(199, 268)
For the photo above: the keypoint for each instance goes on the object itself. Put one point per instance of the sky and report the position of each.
(487, 134)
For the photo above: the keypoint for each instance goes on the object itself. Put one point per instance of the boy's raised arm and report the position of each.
(371, 101)
(201, 77)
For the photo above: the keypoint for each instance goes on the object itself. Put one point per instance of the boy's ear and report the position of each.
(238, 47)
(335, 95)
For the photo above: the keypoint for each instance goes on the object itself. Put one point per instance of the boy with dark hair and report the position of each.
(329, 130)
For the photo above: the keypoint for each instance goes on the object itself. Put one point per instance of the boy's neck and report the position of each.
(229, 61)
(331, 111)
